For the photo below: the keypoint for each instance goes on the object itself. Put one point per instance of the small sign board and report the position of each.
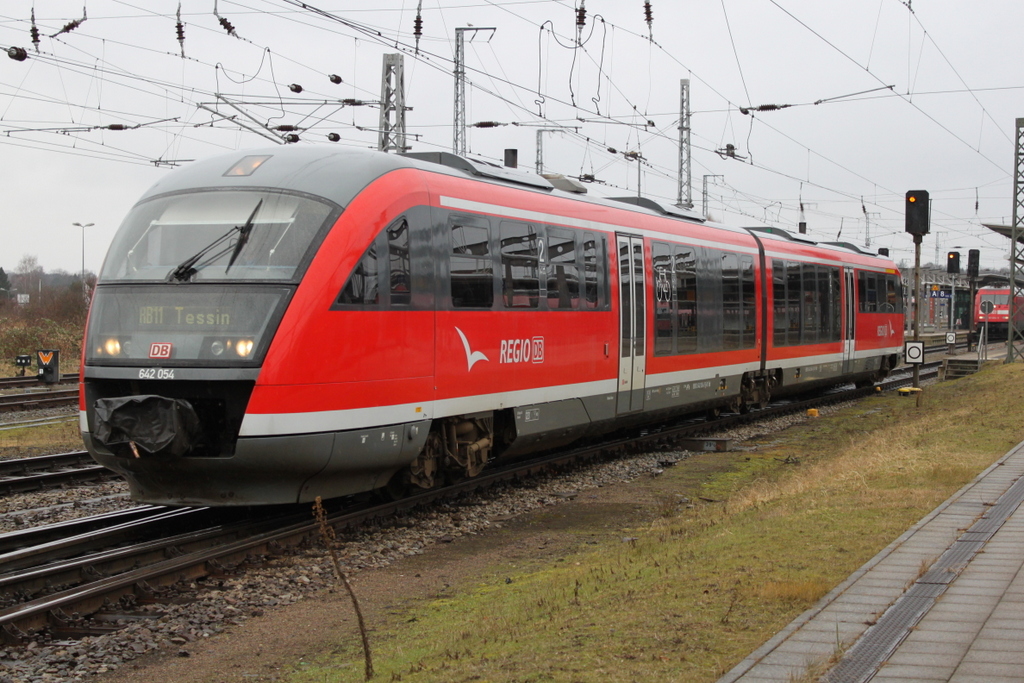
(951, 337)
(914, 352)
(987, 306)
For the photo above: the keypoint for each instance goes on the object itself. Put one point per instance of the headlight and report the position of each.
(217, 348)
(244, 347)
(112, 347)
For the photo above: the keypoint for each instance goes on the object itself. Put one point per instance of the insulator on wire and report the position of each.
(18, 54)
(333, 137)
(291, 137)
(581, 16)
(417, 25)
(34, 31)
(116, 126)
(335, 79)
(225, 24)
(180, 27)
(648, 16)
(285, 128)
(295, 88)
(71, 26)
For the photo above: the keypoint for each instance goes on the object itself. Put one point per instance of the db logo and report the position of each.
(160, 350)
(538, 349)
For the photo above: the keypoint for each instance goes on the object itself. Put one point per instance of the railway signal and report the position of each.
(973, 262)
(953, 263)
(917, 222)
(914, 352)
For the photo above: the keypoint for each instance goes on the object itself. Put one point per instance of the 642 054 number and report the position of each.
(156, 373)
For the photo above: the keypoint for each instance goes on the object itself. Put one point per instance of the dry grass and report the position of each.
(700, 588)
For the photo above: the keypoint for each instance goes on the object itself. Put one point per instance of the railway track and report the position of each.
(90, 570)
(32, 381)
(38, 399)
(45, 471)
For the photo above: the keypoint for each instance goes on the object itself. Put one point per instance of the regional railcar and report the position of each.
(277, 325)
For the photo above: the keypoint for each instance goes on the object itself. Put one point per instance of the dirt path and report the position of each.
(268, 647)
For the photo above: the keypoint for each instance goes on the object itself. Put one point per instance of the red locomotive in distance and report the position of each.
(999, 317)
(277, 325)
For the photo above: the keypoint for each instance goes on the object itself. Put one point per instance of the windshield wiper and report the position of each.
(243, 236)
(187, 268)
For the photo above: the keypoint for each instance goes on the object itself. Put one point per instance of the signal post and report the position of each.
(917, 224)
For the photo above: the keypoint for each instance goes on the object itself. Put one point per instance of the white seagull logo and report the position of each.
(471, 356)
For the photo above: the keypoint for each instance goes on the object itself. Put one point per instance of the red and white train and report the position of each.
(999, 316)
(277, 325)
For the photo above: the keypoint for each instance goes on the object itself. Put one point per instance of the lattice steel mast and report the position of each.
(391, 135)
(459, 135)
(1015, 334)
(685, 194)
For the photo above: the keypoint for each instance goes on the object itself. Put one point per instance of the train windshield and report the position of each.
(996, 299)
(216, 236)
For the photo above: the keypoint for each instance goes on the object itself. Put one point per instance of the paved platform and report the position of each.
(943, 602)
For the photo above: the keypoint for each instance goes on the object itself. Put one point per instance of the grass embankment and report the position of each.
(698, 589)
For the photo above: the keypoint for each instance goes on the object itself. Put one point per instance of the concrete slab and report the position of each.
(984, 671)
(1001, 656)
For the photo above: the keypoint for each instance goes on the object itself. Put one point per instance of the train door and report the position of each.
(632, 323)
(850, 326)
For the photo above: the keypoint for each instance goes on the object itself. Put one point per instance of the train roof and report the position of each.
(327, 171)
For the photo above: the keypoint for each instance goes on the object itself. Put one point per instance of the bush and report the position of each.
(54, 320)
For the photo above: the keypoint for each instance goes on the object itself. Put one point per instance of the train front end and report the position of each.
(189, 299)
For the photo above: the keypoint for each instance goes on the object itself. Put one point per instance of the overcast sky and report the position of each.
(887, 96)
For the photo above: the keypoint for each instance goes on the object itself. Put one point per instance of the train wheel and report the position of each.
(424, 469)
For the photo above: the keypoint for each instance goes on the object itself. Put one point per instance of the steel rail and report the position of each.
(18, 475)
(32, 381)
(37, 400)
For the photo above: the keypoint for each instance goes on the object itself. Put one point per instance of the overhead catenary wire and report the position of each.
(606, 117)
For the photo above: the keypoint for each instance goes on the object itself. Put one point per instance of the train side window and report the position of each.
(893, 294)
(749, 302)
(836, 305)
(732, 304)
(362, 288)
(519, 265)
(828, 302)
(794, 290)
(867, 287)
(471, 269)
(563, 275)
(399, 263)
(811, 305)
(780, 311)
(686, 299)
(591, 290)
(664, 299)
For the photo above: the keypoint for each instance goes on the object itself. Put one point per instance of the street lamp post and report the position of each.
(83, 227)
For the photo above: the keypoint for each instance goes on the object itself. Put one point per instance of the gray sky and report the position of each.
(886, 98)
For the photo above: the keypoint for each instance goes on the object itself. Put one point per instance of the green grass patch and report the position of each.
(55, 438)
(698, 589)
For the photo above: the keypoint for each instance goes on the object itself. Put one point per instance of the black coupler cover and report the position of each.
(168, 426)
